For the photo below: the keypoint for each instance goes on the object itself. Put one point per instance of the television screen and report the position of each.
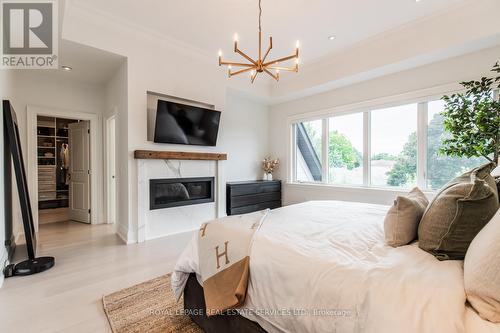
(185, 124)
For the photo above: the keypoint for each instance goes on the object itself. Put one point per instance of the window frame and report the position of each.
(421, 98)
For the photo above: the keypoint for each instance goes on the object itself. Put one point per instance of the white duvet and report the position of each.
(322, 266)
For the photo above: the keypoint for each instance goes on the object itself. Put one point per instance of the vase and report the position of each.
(269, 176)
(264, 177)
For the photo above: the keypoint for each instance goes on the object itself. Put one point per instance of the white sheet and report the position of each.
(330, 256)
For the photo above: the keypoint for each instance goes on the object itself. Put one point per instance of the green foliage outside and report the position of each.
(440, 168)
(341, 152)
(384, 157)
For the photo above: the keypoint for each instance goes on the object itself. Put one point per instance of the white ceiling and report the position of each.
(89, 65)
(210, 25)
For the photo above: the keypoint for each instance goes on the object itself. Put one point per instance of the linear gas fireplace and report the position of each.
(174, 192)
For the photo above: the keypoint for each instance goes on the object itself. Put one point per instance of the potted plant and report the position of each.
(472, 120)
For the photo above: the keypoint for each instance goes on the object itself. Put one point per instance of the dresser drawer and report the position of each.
(254, 208)
(252, 199)
(236, 190)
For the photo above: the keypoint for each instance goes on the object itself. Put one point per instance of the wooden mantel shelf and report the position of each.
(178, 155)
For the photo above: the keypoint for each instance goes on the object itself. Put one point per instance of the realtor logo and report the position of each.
(29, 34)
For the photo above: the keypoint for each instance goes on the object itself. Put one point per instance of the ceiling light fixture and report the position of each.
(260, 65)
(332, 37)
(66, 68)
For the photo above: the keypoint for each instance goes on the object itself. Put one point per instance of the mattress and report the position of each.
(322, 266)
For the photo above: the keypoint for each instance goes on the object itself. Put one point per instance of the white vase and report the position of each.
(264, 177)
(269, 176)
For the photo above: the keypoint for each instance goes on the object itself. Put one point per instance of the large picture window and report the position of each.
(395, 147)
(345, 149)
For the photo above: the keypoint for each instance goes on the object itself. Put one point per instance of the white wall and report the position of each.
(53, 91)
(454, 70)
(116, 102)
(244, 136)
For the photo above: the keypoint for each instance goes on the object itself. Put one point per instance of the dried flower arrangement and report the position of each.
(268, 165)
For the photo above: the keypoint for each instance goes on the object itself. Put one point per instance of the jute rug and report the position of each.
(147, 307)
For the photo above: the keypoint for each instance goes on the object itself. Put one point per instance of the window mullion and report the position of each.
(422, 116)
(324, 153)
(366, 148)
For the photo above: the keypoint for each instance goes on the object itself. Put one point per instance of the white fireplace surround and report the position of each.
(169, 221)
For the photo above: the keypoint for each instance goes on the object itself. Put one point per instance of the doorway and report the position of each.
(94, 170)
(63, 168)
(111, 168)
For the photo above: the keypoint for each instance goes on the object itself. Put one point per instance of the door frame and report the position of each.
(109, 173)
(32, 112)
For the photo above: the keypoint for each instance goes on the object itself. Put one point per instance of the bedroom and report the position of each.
(371, 82)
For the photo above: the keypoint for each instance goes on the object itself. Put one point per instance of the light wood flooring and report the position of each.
(91, 261)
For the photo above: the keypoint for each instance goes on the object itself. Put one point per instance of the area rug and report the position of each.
(147, 307)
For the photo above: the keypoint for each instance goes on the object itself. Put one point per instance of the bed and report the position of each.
(322, 266)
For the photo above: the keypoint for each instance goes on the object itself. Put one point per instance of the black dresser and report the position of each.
(252, 196)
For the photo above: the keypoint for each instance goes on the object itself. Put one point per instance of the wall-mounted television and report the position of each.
(185, 124)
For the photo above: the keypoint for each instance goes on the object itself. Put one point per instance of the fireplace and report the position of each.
(174, 192)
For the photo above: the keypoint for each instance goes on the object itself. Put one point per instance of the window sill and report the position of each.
(354, 188)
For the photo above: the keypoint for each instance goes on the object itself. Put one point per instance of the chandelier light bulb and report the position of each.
(297, 44)
(220, 53)
(229, 67)
(235, 37)
(297, 61)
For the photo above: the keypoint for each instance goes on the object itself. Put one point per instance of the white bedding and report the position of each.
(330, 256)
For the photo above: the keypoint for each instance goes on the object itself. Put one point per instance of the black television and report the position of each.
(185, 124)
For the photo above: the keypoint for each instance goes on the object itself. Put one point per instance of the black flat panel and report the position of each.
(255, 208)
(246, 200)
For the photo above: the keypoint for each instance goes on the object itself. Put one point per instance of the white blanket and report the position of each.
(323, 267)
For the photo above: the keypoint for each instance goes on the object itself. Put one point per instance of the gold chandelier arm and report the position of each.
(237, 50)
(287, 69)
(240, 71)
(236, 64)
(272, 62)
(268, 49)
(252, 78)
(276, 77)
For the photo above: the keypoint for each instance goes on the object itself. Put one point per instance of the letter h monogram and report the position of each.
(223, 254)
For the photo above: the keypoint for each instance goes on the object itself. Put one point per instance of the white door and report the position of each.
(111, 173)
(79, 169)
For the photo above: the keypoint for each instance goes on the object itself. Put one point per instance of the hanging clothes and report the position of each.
(64, 159)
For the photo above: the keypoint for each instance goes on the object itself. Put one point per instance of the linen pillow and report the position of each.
(401, 221)
(482, 271)
(457, 214)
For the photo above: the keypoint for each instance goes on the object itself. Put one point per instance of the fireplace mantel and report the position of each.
(178, 155)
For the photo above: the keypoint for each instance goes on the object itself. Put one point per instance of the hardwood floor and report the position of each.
(91, 261)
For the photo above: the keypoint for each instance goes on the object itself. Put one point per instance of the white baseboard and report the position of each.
(125, 234)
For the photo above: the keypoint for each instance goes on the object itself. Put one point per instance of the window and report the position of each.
(394, 146)
(308, 151)
(442, 168)
(345, 149)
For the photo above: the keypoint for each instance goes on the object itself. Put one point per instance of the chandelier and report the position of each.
(261, 65)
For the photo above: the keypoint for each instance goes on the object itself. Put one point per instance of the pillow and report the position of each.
(458, 212)
(401, 221)
(482, 271)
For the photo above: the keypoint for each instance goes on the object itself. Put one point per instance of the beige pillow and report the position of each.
(457, 214)
(401, 221)
(482, 271)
